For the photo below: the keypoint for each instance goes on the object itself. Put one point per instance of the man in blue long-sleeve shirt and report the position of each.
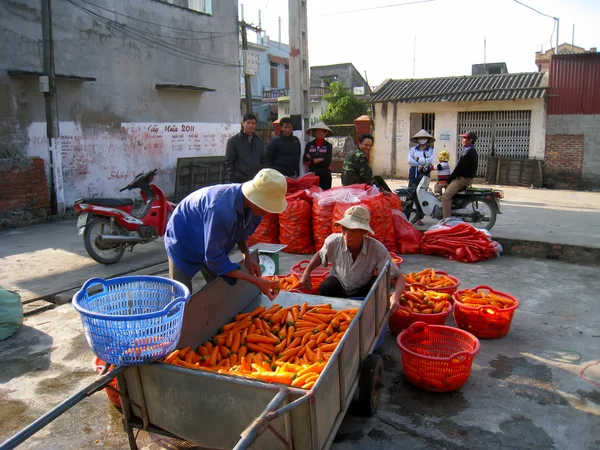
(208, 223)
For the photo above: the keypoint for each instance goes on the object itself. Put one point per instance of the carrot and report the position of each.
(183, 352)
(266, 366)
(229, 339)
(189, 357)
(233, 359)
(290, 334)
(321, 337)
(278, 377)
(295, 343)
(281, 346)
(299, 381)
(327, 311)
(224, 351)
(345, 317)
(311, 355)
(235, 343)
(171, 357)
(257, 311)
(282, 335)
(325, 318)
(319, 355)
(303, 309)
(259, 348)
(258, 324)
(290, 352)
(257, 359)
(187, 365)
(329, 347)
(256, 338)
(307, 324)
(213, 356)
(218, 341)
(309, 385)
(290, 318)
(303, 332)
(305, 338)
(295, 313)
(243, 324)
(243, 351)
(203, 351)
(229, 326)
(241, 316)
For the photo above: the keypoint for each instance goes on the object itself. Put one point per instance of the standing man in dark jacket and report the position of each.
(464, 172)
(356, 169)
(283, 151)
(318, 154)
(244, 156)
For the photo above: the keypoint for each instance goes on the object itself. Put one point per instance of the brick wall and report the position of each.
(24, 196)
(563, 162)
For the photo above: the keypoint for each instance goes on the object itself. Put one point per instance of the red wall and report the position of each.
(574, 83)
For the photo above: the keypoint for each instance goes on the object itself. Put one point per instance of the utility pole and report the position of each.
(48, 87)
(245, 26)
(299, 68)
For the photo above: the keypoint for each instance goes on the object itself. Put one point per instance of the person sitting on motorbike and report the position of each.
(443, 169)
(464, 172)
(355, 259)
(207, 224)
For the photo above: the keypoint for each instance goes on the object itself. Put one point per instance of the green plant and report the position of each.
(343, 106)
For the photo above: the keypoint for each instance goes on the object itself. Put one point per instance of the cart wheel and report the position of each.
(369, 388)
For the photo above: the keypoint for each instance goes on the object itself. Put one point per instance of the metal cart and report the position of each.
(213, 410)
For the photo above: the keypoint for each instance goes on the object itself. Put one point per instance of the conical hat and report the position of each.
(320, 126)
(423, 134)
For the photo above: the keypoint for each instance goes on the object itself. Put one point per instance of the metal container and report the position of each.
(214, 410)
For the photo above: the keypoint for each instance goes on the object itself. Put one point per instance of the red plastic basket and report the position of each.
(447, 290)
(98, 365)
(437, 358)
(404, 318)
(485, 321)
(398, 258)
(317, 276)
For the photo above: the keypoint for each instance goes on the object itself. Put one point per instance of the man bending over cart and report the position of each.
(355, 259)
(208, 223)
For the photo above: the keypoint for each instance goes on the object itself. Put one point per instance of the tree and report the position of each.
(343, 106)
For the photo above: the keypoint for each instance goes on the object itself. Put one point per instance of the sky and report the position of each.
(448, 34)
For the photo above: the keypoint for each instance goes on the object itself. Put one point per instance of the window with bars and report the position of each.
(203, 6)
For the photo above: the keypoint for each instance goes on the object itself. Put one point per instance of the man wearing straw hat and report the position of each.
(355, 259)
(318, 153)
(207, 224)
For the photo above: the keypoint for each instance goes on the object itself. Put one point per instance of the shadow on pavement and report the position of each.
(27, 351)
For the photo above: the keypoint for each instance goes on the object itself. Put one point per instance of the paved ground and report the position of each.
(42, 260)
(525, 391)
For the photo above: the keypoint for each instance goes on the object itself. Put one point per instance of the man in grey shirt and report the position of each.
(355, 259)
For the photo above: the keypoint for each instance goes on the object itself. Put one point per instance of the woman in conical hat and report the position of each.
(419, 155)
(318, 153)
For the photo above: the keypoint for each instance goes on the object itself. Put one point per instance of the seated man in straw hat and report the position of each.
(208, 223)
(355, 258)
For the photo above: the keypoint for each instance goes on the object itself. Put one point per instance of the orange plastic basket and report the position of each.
(404, 318)
(98, 365)
(397, 259)
(446, 290)
(437, 358)
(317, 276)
(485, 321)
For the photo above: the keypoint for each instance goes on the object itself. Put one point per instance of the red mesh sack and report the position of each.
(408, 237)
(267, 232)
(382, 222)
(393, 201)
(292, 185)
(295, 227)
(338, 213)
(307, 181)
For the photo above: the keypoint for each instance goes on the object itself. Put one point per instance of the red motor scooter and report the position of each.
(110, 225)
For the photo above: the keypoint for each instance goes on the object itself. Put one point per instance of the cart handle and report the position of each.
(256, 428)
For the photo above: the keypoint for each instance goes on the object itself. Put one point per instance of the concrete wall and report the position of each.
(392, 140)
(589, 127)
(126, 70)
(346, 73)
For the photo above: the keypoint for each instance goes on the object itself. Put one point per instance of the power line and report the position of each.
(144, 21)
(163, 46)
(378, 7)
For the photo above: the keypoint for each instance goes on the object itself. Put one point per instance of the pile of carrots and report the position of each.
(424, 302)
(280, 345)
(428, 277)
(287, 283)
(483, 297)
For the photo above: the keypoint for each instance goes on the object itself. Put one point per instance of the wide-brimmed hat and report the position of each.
(356, 218)
(423, 134)
(320, 126)
(267, 191)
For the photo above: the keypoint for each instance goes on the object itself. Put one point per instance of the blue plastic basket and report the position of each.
(131, 320)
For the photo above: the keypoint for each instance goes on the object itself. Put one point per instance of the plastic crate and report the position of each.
(437, 358)
(485, 321)
(404, 318)
(98, 365)
(317, 276)
(131, 320)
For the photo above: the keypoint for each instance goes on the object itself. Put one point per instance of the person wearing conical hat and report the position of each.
(318, 154)
(419, 155)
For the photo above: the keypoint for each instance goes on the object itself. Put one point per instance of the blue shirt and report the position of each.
(205, 227)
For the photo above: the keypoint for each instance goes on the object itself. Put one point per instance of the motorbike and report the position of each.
(477, 206)
(111, 225)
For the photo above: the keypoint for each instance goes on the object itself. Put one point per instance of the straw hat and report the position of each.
(423, 134)
(267, 191)
(356, 218)
(320, 126)
(444, 156)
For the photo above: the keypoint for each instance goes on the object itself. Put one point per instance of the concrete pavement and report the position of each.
(525, 390)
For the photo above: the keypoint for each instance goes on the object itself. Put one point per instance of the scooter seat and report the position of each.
(107, 201)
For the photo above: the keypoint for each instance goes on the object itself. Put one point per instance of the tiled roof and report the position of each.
(278, 59)
(512, 86)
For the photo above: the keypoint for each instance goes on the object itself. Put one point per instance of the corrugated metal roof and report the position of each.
(512, 86)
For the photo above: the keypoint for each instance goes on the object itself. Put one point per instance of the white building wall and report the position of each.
(390, 152)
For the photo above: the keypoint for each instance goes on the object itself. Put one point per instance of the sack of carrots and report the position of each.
(435, 280)
(295, 226)
(279, 345)
(461, 242)
(286, 283)
(267, 232)
(484, 312)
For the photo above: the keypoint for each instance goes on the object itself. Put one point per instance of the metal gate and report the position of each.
(504, 134)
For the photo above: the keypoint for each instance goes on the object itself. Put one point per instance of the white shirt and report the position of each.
(355, 274)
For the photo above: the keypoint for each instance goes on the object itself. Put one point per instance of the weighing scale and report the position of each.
(268, 257)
